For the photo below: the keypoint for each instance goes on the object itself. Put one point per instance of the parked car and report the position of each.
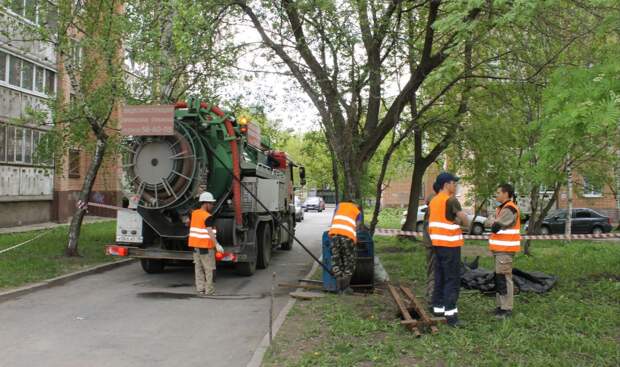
(299, 211)
(478, 222)
(314, 203)
(584, 220)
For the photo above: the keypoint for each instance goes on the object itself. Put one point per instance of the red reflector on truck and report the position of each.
(116, 250)
(225, 256)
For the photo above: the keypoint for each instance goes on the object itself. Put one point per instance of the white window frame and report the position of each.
(33, 145)
(5, 83)
(22, 17)
(590, 191)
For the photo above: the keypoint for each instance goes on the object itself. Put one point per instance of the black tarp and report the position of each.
(474, 277)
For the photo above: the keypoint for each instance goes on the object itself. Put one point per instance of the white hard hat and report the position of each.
(206, 197)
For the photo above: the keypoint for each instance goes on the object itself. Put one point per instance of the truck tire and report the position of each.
(478, 229)
(264, 240)
(288, 245)
(152, 266)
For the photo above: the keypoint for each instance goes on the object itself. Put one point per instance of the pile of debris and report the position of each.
(474, 277)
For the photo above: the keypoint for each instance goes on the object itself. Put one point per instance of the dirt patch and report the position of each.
(409, 361)
(475, 251)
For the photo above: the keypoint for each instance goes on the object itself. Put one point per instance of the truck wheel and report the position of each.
(288, 245)
(152, 266)
(264, 245)
(478, 229)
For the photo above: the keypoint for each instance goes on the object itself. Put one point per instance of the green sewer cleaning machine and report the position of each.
(174, 153)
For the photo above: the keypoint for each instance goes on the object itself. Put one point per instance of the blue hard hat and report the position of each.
(445, 177)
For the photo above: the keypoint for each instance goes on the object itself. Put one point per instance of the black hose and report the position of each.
(276, 220)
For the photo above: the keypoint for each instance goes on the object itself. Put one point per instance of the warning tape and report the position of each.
(25, 242)
(398, 232)
(107, 206)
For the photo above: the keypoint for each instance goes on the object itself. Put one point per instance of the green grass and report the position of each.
(43, 258)
(388, 217)
(576, 324)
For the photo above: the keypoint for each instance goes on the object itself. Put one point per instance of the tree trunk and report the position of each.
(352, 171)
(87, 186)
(335, 176)
(379, 185)
(569, 214)
(420, 164)
(536, 218)
(419, 169)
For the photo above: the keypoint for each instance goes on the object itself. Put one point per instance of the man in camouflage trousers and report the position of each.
(343, 260)
(343, 235)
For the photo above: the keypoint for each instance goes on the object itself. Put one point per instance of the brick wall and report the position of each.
(396, 195)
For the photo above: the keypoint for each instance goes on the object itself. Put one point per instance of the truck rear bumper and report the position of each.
(161, 254)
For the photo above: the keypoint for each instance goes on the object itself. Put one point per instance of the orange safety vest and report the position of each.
(509, 239)
(198, 233)
(344, 222)
(443, 232)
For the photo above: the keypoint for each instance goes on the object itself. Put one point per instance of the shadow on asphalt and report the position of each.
(177, 296)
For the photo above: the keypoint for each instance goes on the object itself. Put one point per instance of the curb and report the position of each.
(63, 279)
(259, 353)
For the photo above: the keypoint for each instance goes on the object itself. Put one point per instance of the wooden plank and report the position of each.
(306, 295)
(403, 310)
(418, 307)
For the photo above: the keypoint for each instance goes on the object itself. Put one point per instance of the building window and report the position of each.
(3, 57)
(39, 79)
(26, 75)
(50, 82)
(15, 71)
(591, 190)
(74, 163)
(19, 144)
(28, 146)
(2, 143)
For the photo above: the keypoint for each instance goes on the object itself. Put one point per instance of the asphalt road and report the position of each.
(125, 317)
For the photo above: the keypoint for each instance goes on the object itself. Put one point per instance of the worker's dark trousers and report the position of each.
(447, 278)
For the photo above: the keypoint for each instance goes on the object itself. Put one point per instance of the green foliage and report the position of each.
(179, 48)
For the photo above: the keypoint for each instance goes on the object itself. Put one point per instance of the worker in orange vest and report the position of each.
(447, 239)
(505, 242)
(343, 236)
(203, 239)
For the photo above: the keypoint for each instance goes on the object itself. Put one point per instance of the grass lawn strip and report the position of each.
(44, 257)
(575, 324)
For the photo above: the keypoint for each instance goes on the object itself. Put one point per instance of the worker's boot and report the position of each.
(454, 321)
(503, 314)
(437, 311)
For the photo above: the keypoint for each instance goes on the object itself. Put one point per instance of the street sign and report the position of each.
(147, 120)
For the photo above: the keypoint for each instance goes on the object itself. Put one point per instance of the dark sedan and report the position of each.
(583, 221)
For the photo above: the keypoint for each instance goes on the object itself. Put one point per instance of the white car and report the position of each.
(299, 210)
(478, 222)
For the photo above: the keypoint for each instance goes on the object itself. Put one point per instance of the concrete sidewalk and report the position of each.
(48, 225)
